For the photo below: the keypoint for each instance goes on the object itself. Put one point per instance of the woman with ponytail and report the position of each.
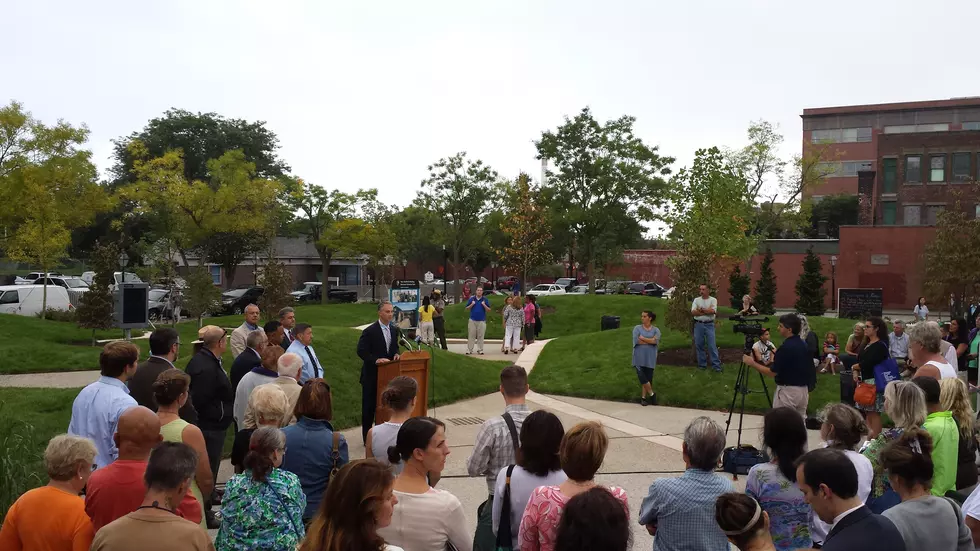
(399, 397)
(744, 522)
(426, 519)
(360, 499)
(774, 484)
(262, 507)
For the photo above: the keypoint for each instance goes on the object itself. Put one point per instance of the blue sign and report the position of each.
(405, 296)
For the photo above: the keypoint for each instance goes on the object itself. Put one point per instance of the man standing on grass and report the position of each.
(704, 309)
(287, 318)
(238, 335)
(438, 319)
(478, 307)
(303, 347)
(97, 408)
(496, 447)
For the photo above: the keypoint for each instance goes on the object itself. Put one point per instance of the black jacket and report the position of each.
(371, 347)
(211, 391)
(285, 339)
(245, 362)
(863, 530)
(141, 387)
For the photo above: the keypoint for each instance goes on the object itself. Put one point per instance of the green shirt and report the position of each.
(945, 445)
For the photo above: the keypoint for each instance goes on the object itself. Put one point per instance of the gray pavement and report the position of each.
(64, 379)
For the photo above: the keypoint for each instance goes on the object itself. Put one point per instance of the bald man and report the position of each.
(117, 490)
(240, 333)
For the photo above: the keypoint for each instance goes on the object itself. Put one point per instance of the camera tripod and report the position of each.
(742, 388)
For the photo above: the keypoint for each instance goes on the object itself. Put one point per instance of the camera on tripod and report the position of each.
(750, 326)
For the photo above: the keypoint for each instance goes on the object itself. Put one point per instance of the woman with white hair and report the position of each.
(748, 308)
(53, 516)
(269, 404)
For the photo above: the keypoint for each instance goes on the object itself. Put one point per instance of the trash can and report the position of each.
(609, 322)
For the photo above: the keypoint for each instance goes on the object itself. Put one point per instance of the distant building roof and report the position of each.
(886, 107)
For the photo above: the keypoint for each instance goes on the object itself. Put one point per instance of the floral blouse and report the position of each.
(262, 515)
(513, 317)
(789, 515)
(539, 525)
(872, 451)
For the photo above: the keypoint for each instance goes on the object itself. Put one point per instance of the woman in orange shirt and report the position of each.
(52, 517)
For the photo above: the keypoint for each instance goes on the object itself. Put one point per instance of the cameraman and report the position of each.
(763, 349)
(792, 367)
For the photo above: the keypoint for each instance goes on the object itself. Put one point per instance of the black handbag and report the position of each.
(739, 460)
(505, 540)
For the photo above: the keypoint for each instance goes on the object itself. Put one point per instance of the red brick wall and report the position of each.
(787, 268)
(643, 265)
(901, 247)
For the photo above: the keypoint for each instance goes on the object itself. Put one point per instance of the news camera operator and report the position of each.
(792, 366)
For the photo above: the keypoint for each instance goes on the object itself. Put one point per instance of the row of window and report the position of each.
(915, 215)
(852, 135)
(959, 163)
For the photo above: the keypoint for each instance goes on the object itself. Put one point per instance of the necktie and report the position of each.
(387, 333)
(316, 368)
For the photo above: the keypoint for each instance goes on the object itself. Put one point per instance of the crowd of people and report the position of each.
(139, 465)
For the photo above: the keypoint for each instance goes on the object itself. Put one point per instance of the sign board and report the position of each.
(859, 303)
(405, 296)
(132, 305)
(428, 277)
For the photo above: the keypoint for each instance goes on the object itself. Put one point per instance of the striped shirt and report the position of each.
(494, 448)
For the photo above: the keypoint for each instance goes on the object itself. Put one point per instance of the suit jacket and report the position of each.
(244, 362)
(238, 336)
(371, 347)
(862, 530)
(286, 340)
(141, 387)
(211, 391)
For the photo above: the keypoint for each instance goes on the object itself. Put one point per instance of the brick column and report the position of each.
(866, 184)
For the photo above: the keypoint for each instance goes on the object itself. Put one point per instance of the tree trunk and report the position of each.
(457, 294)
(325, 276)
(44, 291)
(230, 270)
(93, 338)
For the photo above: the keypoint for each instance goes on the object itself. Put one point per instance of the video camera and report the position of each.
(750, 326)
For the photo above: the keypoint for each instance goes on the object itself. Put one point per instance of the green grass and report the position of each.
(599, 365)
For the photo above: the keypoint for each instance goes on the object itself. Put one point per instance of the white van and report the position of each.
(26, 300)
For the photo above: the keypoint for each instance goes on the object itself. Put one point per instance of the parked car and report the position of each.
(235, 300)
(567, 282)
(649, 289)
(74, 285)
(613, 288)
(160, 306)
(26, 300)
(669, 292)
(87, 277)
(312, 292)
(547, 290)
(579, 290)
(506, 282)
(30, 278)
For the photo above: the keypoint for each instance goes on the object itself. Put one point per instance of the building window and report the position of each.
(971, 126)
(888, 213)
(976, 214)
(889, 176)
(215, 274)
(845, 169)
(937, 168)
(841, 135)
(961, 167)
(911, 215)
(915, 128)
(913, 169)
(814, 199)
(932, 214)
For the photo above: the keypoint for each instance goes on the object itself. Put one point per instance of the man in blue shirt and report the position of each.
(478, 306)
(303, 347)
(792, 367)
(97, 408)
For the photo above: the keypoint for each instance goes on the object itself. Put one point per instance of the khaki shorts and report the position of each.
(793, 397)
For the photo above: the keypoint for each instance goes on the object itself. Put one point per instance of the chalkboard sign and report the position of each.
(859, 303)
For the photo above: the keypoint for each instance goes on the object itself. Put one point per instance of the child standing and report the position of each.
(832, 353)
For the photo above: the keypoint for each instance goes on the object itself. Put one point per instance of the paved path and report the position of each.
(65, 379)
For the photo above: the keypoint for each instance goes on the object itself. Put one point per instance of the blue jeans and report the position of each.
(704, 334)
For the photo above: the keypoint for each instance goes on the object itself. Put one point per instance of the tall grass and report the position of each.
(20, 460)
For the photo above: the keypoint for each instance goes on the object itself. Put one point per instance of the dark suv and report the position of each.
(646, 289)
(235, 300)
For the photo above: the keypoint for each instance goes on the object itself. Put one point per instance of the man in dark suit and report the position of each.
(829, 483)
(164, 347)
(378, 345)
(287, 319)
(249, 359)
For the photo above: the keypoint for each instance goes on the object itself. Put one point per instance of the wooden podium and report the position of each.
(414, 364)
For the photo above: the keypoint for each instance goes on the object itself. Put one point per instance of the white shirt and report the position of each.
(949, 352)
(424, 522)
(522, 484)
(764, 351)
(946, 370)
(705, 303)
(971, 507)
(818, 528)
(841, 516)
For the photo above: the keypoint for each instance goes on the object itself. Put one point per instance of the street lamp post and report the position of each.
(493, 273)
(833, 281)
(404, 268)
(445, 272)
(123, 262)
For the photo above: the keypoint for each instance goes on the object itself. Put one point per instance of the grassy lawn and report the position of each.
(598, 365)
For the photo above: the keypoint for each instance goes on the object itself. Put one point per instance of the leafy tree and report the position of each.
(96, 306)
(459, 191)
(418, 232)
(325, 217)
(526, 226)
(765, 287)
(810, 293)
(690, 269)
(277, 283)
(602, 173)
(201, 295)
(47, 188)
(838, 210)
(738, 286)
(952, 259)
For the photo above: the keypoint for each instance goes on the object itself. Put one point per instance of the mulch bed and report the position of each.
(686, 357)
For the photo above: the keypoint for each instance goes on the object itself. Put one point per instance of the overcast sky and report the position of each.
(367, 94)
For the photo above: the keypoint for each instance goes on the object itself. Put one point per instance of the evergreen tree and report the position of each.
(96, 306)
(738, 287)
(809, 288)
(765, 288)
